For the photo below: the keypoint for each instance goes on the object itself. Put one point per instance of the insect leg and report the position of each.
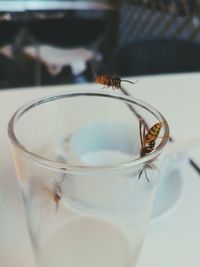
(145, 171)
(129, 81)
(140, 173)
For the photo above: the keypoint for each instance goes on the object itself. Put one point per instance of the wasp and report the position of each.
(111, 81)
(55, 193)
(148, 144)
(150, 138)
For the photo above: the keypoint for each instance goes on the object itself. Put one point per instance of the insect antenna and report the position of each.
(146, 176)
(122, 80)
(140, 173)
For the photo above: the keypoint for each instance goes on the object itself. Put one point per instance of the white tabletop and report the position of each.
(173, 241)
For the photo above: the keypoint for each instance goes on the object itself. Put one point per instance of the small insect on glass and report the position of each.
(148, 142)
(111, 81)
(55, 193)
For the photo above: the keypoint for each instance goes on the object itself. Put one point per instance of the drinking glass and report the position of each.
(87, 187)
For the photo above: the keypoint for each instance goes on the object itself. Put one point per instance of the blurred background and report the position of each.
(47, 42)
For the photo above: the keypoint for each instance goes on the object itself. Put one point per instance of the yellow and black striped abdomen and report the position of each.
(153, 133)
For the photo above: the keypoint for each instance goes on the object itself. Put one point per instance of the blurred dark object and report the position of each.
(8, 31)
(61, 25)
(10, 74)
(156, 57)
(65, 32)
(68, 32)
(14, 75)
(156, 36)
(62, 32)
(150, 19)
(130, 37)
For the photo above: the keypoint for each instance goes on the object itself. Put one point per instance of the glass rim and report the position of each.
(69, 168)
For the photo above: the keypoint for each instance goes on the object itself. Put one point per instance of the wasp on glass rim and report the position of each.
(148, 142)
(111, 81)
